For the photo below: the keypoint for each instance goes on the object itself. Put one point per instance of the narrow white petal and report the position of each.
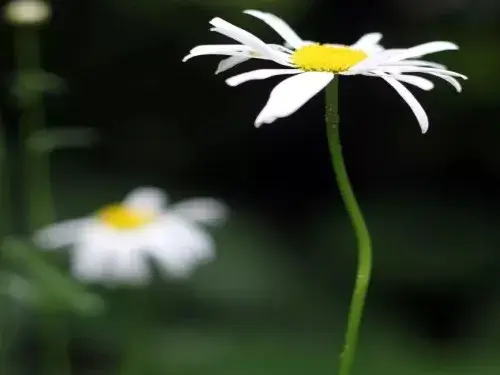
(259, 74)
(280, 26)
(217, 49)
(417, 81)
(421, 63)
(369, 43)
(425, 49)
(396, 69)
(373, 61)
(146, 199)
(201, 210)
(230, 62)
(291, 94)
(452, 81)
(304, 43)
(220, 48)
(278, 55)
(244, 37)
(408, 97)
(61, 234)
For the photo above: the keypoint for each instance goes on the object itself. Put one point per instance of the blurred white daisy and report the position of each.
(113, 246)
(314, 66)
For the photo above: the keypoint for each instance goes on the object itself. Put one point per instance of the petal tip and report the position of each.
(252, 11)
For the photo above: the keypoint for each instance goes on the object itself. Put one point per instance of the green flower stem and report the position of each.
(4, 185)
(38, 194)
(359, 225)
(32, 120)
(5, 332)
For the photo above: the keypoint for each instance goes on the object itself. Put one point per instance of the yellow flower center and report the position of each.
(120, 217)
(324, 58)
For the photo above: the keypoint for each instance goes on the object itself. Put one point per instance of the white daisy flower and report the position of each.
(292, 41)
(27, 12)
(314, 66)
(113, 245)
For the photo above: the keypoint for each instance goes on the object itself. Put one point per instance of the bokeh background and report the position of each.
(275, 301)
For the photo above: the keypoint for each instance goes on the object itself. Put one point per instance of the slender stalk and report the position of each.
(32, 120)
(5, 336)
(4, 185)
(37, 184)
(359, 225)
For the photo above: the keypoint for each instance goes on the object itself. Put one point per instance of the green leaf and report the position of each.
(54, 286)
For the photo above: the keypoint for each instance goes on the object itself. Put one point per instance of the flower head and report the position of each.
(114, 244)
(313, 65)
(240, 53)
(27, 12)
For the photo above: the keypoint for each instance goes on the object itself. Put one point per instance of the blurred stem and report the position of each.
(359, 225)
(5, 336)
(135, 328)
(37, 187)
(4, 185)
(32, 120)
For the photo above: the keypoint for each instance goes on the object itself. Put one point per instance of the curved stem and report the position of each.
(359, 225)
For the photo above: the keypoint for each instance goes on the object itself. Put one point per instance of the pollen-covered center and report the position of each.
(325, 58)
(122, 217)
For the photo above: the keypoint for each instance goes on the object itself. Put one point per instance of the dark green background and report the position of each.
(275, 301)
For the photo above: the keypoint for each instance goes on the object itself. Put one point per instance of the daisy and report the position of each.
(314, 66)
(114, 244)
(369, 42)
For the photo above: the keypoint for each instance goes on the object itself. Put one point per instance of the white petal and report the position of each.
(304, 43)
(417, 81)
(280, 26)
(396, 69)
(291, 94)
(421, 83)
(61, 234)
(218, 49)
(130, 266)
(244, 37)
(230, 62)
(90, 262)
(452, 81)
(221, 48)
(259, 74)
(425, 49)
(180, 246)
(421, 63)
(408, 97)
(201, 210)
(373, 61)
(369, 43)
(146, 199)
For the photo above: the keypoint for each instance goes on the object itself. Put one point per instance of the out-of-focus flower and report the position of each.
(114, 245)
(27, 12)
(314, 66)
(292, 41)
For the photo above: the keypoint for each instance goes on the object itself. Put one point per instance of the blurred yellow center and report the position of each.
(324, 58)
(121, 217)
